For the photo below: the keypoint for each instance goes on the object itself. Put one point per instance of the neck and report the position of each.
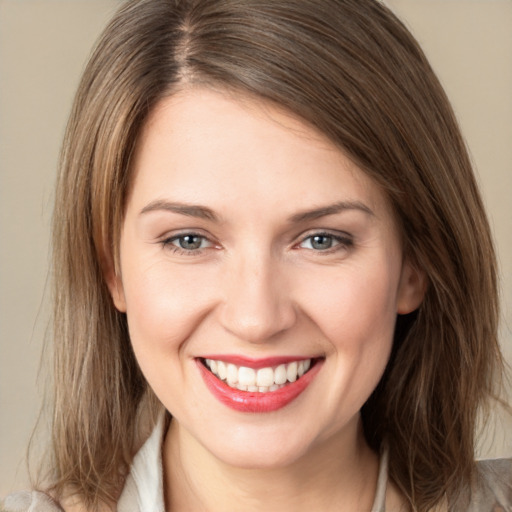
(338, 474)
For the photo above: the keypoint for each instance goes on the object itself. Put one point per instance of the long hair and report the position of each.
(351, 70)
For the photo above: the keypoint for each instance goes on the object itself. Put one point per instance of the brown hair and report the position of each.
(353, 71)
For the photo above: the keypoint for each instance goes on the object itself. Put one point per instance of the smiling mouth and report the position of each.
(258, 386)
(262, 380)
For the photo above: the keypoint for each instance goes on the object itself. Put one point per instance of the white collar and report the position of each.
(143, 490)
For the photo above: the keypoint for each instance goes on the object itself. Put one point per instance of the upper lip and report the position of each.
(256, 363)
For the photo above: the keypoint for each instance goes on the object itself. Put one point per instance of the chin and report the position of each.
(255, 451)
(262, 459)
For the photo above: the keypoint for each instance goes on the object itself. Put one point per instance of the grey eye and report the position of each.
(320, 242)
(189, 242)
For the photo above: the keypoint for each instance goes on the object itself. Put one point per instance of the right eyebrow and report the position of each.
(190, 210)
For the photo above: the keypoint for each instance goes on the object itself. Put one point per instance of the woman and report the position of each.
(267, 226)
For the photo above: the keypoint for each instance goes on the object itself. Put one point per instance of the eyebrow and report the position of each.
(190, 210)
(330, 210)
(203, 212)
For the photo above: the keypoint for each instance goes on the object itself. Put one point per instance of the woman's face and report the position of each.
(250, 240)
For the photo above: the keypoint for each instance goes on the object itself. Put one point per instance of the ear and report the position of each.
(114, 284)
(411, 289)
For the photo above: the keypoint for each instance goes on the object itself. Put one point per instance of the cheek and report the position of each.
(163, 308)
(357, 307)
(356, 313)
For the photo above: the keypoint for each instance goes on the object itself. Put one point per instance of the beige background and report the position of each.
(43, 47)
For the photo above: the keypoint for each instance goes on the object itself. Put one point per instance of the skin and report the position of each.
(258, 287)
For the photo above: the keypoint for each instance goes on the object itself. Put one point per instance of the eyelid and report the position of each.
(167, 240)
(177, 233)
(344, 239)
(192, 235)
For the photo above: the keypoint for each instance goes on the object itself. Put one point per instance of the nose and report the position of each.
(257, 305)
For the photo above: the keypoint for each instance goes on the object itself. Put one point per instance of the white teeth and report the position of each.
(221, 370)
(231, 374)
(262, 380)
(246, 376)
(280, 374)
(291, 372)
(265, 377)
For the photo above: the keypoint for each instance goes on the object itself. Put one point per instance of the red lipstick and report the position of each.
(246, 401)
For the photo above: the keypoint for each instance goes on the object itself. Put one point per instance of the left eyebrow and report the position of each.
(330, 210)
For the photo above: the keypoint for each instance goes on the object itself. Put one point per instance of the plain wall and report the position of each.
(43, 47)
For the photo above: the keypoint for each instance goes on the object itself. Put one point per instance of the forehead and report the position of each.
(204, 145)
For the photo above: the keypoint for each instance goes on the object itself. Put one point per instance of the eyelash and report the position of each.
(168, 244)
(342, 242)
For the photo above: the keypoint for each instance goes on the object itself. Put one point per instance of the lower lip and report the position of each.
(246, 401)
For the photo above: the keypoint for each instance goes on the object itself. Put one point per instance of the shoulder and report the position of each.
(29, 501)
(491, 490)
(495, 477)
